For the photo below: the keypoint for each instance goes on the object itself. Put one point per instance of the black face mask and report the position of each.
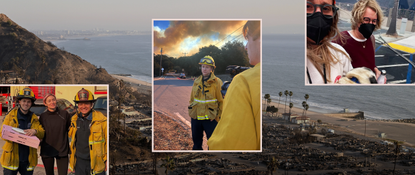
(318, 27)
(366, 29)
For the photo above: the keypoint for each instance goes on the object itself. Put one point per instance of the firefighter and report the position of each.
(17, 157)
(239, 128)
(87, 137)
(205, 102)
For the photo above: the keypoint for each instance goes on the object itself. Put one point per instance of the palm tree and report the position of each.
(285, 93)
(306, 96)
(269, 101)
(291, 106)
(266, 97)
(306, 108)
(290, 94)
(303, 104)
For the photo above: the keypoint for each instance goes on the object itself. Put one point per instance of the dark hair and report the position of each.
(252, 28)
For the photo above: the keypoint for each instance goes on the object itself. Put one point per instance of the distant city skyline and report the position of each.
(285, 17)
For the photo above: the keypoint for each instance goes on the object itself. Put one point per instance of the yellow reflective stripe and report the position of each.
(203, 117)
(30, 168)
(96, 142)
(206, 101)
(11, 167)
(95, 172)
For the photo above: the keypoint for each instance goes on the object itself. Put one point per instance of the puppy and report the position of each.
(361, 75)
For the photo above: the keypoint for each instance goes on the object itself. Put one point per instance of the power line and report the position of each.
(229, 35)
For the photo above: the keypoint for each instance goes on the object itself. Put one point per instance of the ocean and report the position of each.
(283, 69)
(119, 54)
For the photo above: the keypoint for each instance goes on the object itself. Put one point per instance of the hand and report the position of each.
(377, 72)
(30, 132)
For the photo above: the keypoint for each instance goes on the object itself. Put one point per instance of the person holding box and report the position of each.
(18, 157)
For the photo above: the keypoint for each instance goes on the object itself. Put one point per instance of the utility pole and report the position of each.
(392, 26)
(161, 59)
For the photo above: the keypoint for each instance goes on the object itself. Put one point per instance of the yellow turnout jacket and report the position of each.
(206, 99)
(97, 142)
(239, 127)
(10, 156)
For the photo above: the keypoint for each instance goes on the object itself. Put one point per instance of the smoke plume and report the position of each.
(179, 32)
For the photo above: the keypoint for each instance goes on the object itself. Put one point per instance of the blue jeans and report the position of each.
(198, 126)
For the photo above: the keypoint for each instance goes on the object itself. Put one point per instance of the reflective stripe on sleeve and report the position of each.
(205, 101)
(96, 142)
(11, 167)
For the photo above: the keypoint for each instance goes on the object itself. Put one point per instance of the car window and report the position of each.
(101, 103)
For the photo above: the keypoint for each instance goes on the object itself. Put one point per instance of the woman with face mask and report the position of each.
(359, 42)
(326, 61)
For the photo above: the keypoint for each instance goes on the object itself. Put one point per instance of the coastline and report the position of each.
(393, 130)
(139, 85)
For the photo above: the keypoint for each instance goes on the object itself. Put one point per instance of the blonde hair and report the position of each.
(321, 54)
(359, 10)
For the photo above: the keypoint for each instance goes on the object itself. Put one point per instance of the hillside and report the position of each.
(37, 61)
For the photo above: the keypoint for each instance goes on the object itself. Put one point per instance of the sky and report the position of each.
(185, 37)
(279, 17)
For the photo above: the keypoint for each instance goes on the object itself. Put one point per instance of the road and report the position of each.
(171, 97)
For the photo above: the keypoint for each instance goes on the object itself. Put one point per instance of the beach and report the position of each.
(393, 130)
(139, 85)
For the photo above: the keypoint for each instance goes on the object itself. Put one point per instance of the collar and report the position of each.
(89, 116)
(29, 113)
(356, 39)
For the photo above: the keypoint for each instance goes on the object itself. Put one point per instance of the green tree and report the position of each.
(266, 97)
(269, 101)
(232, 53)
(274, 110)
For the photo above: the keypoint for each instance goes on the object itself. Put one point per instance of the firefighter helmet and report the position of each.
(84, 95)
(208, 60)
(26, 93)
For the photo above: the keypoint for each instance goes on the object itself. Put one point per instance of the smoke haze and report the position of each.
(189, 36)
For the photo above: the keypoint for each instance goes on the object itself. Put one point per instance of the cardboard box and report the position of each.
(9, 134)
